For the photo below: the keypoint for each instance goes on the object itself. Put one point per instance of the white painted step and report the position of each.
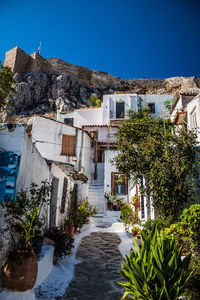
(96, 198)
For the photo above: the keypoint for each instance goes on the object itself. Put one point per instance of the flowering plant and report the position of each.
(84, 211)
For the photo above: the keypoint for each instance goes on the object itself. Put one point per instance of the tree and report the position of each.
(151, 148)
(94, 101)
(6, 86)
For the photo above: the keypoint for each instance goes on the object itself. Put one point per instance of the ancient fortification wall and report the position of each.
(22, 63)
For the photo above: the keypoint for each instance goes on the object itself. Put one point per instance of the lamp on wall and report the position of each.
(93, 134)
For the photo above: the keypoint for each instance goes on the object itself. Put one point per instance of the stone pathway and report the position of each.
(96, 275)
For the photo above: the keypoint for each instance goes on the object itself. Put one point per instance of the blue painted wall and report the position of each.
(9, 165)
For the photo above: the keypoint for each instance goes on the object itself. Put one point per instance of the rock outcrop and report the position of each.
(45, 85)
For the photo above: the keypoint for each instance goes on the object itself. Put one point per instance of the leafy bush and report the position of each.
(84, 211)
(135, 231)
(128, 216)
(24, 214)
(187, 231)
(78, 214)
(94, 101)
(193, 286)
(156, 271)
(63, 242)
(160, 222)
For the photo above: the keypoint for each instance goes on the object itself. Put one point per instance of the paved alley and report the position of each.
(96, 276)
(91, 271)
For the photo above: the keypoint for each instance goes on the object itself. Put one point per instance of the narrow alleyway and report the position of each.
(96, 276)
(91, 271)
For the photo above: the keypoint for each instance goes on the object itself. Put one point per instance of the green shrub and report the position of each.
(160, 222)
(156, 271)
(23, 216)
(193, 287)
(94, 101)
(128, 216)
(190, 221)
(63, 242)
(187, 231)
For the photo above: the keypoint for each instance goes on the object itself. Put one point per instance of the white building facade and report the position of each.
(67, 149)
(103, 123)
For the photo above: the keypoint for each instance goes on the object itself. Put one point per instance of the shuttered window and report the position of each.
(68, 145)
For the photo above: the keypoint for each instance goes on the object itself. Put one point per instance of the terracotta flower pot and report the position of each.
(110, 206)
(137, 204)
(71, 229)
(19, 274)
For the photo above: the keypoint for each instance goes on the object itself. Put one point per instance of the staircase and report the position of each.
(96, 198)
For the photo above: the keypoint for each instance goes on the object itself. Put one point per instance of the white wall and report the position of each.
(109, 168)
(84, 116)
(131, 103)
(47, 136)
(33, 168)
(194, 104)
(58, 173)
(177, 108)
(12, 140)
(81, 193)
(85, 164)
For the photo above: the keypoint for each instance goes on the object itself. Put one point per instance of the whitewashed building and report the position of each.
(20, 165)
(193, 116)
(185, 113)
(67, 149)
(102, 123)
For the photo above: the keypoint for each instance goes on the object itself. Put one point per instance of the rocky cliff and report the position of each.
(45, 85)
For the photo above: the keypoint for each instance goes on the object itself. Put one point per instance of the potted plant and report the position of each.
(114, 201)
(109, 201)
(78, 216)
(63, 242)
(129, 216)
(110, 205)
(19, 269)
(84, 212)
(135, 201)
(120, 203)
(136, 232)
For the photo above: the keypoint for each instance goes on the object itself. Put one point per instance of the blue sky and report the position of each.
(127, 38)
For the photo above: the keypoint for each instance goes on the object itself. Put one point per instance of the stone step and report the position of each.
(96, 198)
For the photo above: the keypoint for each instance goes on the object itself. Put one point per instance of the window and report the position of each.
(68, 145)
(69, 121)
(193, 119)
(119, 110)
(119, 189)
(151, 107)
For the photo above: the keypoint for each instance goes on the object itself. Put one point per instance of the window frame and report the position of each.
(119, 102)
(113, 183)
(63, 150)
(153, 111)
(193, 119)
